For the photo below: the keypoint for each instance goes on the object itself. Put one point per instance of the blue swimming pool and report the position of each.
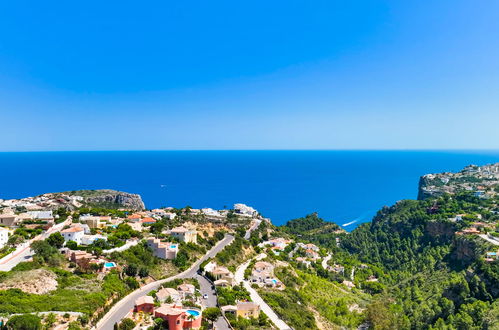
(192, 312)
(173, 246)
(109, 264)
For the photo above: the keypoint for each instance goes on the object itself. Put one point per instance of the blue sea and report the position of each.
(346, 187)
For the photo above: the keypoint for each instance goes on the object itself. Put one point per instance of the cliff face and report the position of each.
(110, 198)
(423, 188)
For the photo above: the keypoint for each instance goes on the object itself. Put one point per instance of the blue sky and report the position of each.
(121, 75)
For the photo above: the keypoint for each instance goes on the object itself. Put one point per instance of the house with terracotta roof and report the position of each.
(144, 304)
(469, 231)
(179, 318)
(147, 221)
(312, 254)
(74, 233)
(134, 217)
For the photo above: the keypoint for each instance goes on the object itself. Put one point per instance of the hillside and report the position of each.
(431, 264)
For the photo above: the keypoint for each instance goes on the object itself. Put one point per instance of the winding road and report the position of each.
(326, 260)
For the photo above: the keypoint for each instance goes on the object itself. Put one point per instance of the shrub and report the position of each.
(24, 322)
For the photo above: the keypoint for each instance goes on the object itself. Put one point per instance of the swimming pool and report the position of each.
(193, 312)
(173, 246)
(109, 264)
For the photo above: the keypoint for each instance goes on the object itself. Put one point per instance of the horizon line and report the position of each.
(318, 149)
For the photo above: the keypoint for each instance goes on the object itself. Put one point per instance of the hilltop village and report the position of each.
(101, 260)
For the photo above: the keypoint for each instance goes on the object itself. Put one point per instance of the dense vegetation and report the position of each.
(429, 277)
(314, 229)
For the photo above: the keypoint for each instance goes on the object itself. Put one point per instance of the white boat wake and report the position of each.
(349, 223)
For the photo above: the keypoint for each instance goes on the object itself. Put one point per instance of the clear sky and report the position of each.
(121, 75)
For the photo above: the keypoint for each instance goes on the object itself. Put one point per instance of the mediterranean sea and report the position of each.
(346, 187)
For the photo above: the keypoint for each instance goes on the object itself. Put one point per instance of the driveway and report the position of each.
(123, 307)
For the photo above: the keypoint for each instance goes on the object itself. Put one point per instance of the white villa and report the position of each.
(74, 233)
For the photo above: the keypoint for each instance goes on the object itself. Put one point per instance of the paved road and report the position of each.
(206, 288)
(255, 225)
(239, 277)
(24, 253)
(488, 239)
(123, 307)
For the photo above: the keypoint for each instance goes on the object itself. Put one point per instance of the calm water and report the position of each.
(343, 186)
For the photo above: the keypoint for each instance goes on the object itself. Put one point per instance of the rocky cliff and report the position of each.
(110, 199)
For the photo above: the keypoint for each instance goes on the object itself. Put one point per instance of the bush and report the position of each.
(24, 322)
(126, 324)
(132, 283)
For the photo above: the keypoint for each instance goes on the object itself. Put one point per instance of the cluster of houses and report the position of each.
(310, 253)
(221, 215)
(171, 309)
(485, 178)
(169, 250)
(311, 250)
(43, 202)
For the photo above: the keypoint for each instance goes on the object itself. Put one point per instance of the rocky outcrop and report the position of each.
(113, 198)
(467, 249)
(106, 198)
(441, 229)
